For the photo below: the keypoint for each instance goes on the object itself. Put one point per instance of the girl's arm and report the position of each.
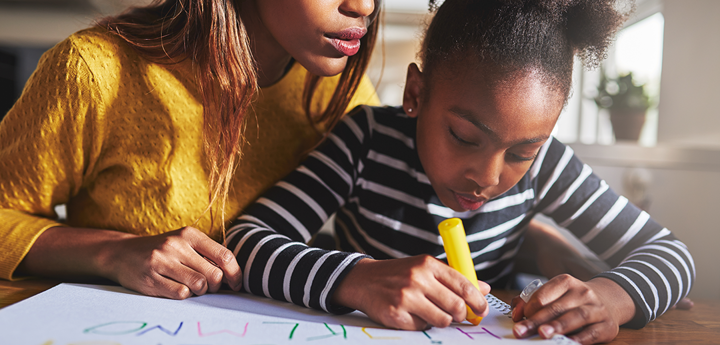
(652, 269)
(550, 254)
(269, 239)
(269, 243)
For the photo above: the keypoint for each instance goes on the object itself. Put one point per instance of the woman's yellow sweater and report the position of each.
(119, 140)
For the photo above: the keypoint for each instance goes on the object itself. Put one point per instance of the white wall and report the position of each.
(683, 196)
(689, 111)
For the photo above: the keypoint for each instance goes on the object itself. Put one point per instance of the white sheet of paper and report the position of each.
(77, 314)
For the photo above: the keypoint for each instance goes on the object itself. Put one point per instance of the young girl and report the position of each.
(472, 140)
(136, 124)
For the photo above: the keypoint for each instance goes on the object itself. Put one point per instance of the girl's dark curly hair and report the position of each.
(524, 35)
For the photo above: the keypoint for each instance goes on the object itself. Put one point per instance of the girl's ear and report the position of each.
(413, 88)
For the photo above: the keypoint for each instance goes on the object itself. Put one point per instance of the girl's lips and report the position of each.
(347, 41)
(469, 203)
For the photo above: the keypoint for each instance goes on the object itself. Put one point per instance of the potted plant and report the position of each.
(627, 103)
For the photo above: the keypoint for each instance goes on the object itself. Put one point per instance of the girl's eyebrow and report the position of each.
(467, 115)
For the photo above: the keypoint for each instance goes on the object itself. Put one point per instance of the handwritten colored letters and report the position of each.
(259, 332)
(76, 314)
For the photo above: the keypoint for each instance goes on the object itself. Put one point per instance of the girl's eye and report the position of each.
(460, 140)
(519, 158)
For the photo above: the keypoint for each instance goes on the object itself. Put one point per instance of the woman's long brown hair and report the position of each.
(212, 35)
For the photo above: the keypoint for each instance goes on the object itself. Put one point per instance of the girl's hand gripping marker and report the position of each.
(458, 256)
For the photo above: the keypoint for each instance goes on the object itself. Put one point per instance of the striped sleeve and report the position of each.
(269, 239)
(653, 266)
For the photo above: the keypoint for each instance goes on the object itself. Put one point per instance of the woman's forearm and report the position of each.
(65, 251)
(175, 264)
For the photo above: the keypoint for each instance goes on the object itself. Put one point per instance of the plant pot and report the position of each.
(627, 123)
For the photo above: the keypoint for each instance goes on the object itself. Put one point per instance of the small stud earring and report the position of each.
(409, 110)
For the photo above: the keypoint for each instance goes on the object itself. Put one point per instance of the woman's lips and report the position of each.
(468, 202)
(347, 41)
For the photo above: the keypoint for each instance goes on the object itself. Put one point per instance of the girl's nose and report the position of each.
(359, 8)
(486, 172)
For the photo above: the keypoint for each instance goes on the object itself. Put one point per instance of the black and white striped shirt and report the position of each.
(369, 174)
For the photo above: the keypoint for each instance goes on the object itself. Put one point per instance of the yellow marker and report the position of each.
(458, 255)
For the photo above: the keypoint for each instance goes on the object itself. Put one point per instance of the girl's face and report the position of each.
(476, 141)
(319, 34)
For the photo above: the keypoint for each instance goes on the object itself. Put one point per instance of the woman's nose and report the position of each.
(359, 8)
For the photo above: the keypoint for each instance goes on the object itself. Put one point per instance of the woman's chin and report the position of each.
(326, 66)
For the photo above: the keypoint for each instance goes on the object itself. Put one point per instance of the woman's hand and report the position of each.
(412, 293)
(565, 304)
(175, 265)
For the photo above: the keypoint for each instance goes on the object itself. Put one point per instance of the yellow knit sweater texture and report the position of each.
(118, 139)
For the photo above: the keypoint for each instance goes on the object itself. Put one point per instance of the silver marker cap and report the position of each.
(530, 289)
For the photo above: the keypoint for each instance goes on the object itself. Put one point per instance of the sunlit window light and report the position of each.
(638, 49)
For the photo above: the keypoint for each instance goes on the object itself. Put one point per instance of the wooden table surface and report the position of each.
(699, 325)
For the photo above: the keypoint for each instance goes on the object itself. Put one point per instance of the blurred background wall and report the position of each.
(671, 46)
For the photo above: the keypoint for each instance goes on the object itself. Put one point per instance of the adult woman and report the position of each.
(140, 124)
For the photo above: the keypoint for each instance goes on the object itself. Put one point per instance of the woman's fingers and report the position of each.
(195, 281)
(210, 273)
(157, 285)
(177, 259)
(169, 288)
(218, 257)
(176, 264)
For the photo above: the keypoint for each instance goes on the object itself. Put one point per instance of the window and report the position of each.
(637, 49)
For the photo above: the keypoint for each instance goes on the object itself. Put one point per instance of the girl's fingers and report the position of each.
(418, 323)
(685, 304)
(579, 306)
(452, 305)
(483, 287)
(402, 319)
(517, 304)
(457, 285)
(431, 314)
(596, 333)
(570, 321)
(548, 313)
(548, 293)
